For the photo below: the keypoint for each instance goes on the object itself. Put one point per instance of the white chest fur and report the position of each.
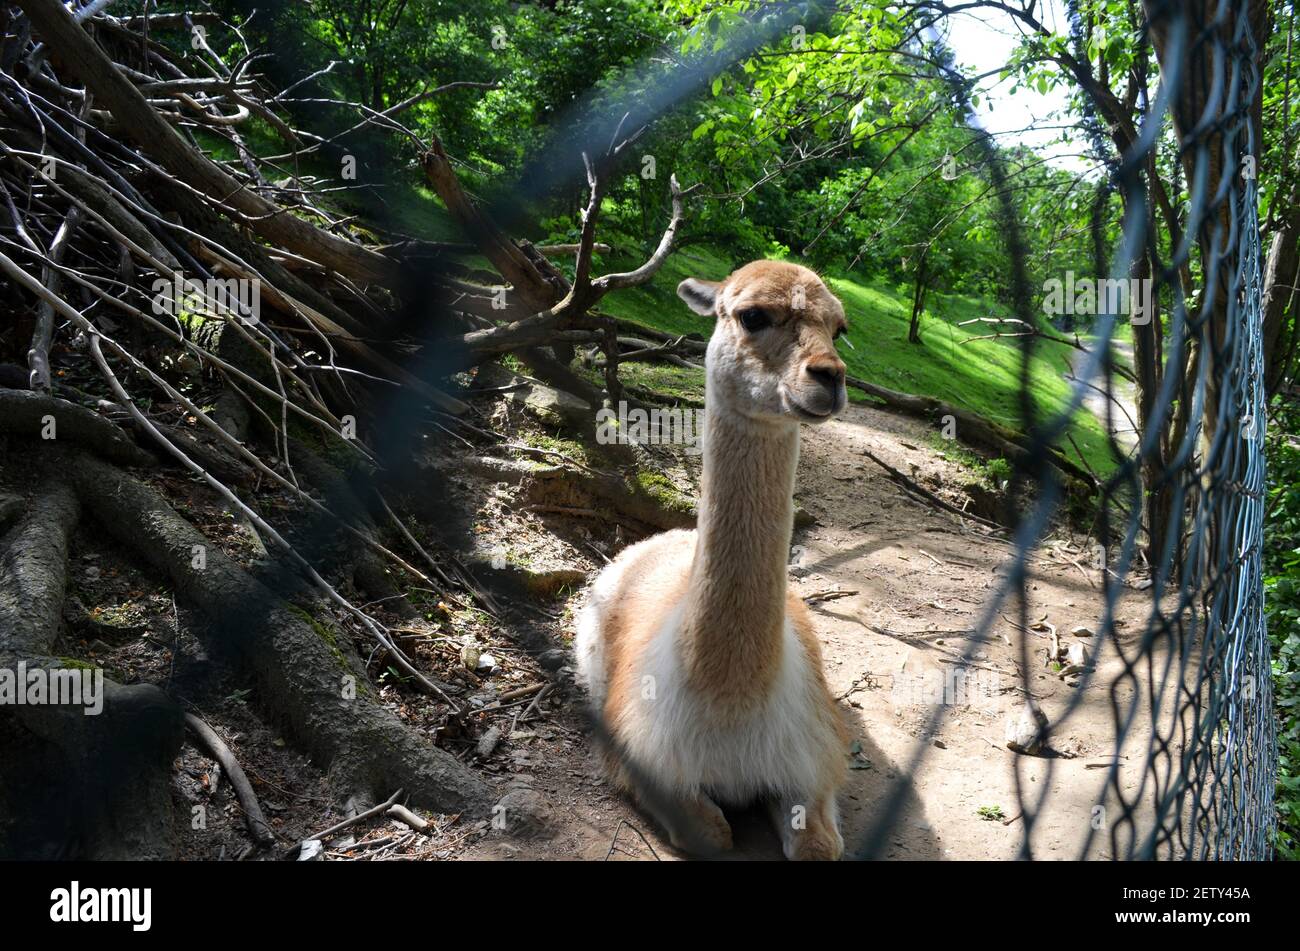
(773, 748)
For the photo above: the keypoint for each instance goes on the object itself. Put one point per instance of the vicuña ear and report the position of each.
(700, 296)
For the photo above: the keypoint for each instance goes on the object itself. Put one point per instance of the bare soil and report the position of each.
(897, 587)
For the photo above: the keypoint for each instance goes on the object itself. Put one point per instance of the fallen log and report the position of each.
(974, 429)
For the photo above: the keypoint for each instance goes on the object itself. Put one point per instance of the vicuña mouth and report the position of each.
(806, 414)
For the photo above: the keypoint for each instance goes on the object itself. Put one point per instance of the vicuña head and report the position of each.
(772, 353)
(702, 665)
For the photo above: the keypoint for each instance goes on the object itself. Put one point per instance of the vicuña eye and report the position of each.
(754, 318)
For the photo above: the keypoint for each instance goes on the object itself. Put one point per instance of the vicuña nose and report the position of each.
(829, 373)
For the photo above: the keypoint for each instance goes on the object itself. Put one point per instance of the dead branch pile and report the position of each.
(127, 244)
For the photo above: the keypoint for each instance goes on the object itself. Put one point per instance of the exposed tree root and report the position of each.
(77, 785)
(74, 785)
(975, 430)
(25, 413)
(306, 675)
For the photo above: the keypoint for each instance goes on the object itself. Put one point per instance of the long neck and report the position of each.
(735, 605)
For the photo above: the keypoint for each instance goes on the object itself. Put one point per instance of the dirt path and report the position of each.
(912, 582)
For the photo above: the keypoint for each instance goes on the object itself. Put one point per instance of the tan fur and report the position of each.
(657, 577)
(726, 583)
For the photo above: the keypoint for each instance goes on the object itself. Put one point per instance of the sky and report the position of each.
(983, 41)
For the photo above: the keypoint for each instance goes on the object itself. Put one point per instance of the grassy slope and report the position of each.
(982, 375)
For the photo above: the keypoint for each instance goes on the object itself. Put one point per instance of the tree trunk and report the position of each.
(1188, 111)
(918, 299)
(1149, 369)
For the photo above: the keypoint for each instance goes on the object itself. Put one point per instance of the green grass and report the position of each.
(983, 376)
(682, 383)
(656, 304)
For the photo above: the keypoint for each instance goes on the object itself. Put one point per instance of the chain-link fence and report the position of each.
(1192, 706)
(1202, 666)
(1178, 521)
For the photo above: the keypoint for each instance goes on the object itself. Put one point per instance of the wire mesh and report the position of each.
(1193, 699)
(1192, 707)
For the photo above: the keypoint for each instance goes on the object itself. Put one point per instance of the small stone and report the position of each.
(552, 659)
(486, 662)
(523, 811)
(1081, 631)
(1023, 730)
(488, 742)
(551, 406)
(310, 850)
(1076, 655)
(469, 654)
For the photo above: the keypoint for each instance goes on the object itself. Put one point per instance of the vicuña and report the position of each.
(702, 665)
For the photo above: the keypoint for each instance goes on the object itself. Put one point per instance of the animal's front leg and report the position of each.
(695, 824)
(809, 827)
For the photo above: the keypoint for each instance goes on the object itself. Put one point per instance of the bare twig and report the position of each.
(358, 818)
(257, 823)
